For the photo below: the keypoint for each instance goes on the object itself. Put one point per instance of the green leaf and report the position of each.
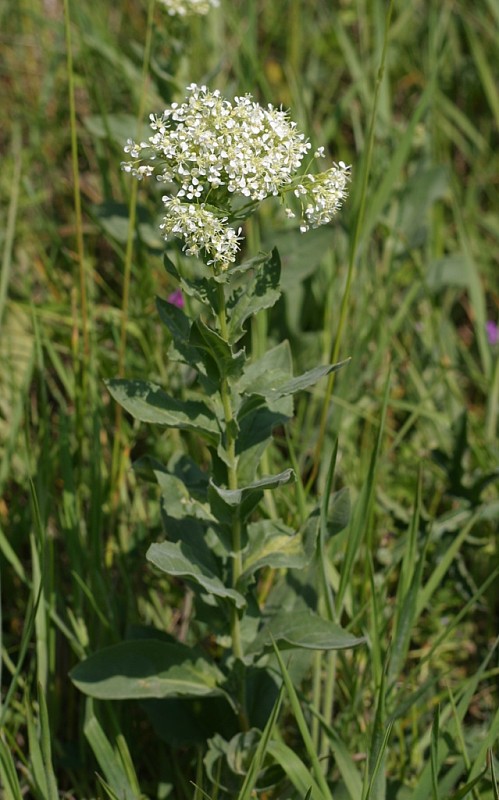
(339, 511)
(301, 254)
(449, 270)
(273, 544)
(204, 290)
(303, 628)
(149, 403)
(114, 218)
(273, 369)
(256, 421)
(180, 560)
(106, 757)
(179, 326)
(114, 126)
(46, 746)
(419, 194)
(260, 290)
(234, 497)
(224, 502)
(182, 721)
(229, 364)
(301, 722)
(178, 500)
(146, 668)
(296, 771)
(303, 381)
(258, 759)
(8, 775)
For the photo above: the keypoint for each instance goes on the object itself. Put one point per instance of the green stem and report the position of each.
(230, 445)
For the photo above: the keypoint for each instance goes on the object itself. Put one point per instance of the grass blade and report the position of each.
(302, 726)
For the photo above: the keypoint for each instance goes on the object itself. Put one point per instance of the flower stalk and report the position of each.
(230, 443)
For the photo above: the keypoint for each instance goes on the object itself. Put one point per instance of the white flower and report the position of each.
(201, 230)
(184, 8)
(207, 142)
(210, 151)
(322, 195)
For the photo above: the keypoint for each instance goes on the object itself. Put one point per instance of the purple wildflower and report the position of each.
(176, 298)
(492, 332)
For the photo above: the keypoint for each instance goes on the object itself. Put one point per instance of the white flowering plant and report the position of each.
(218, 160)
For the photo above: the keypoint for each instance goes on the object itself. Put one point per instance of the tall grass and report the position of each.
(403, 284)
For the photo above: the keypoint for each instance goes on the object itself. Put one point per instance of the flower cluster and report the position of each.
(208, 142)
(184, 8)
(209, 151)
(201, 230)
(321, 195)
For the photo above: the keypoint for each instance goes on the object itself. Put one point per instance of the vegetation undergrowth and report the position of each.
(337, 638)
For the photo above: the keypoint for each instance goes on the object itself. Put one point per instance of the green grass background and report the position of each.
(404, 283)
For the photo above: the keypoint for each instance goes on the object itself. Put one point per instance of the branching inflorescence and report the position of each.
(215, 155)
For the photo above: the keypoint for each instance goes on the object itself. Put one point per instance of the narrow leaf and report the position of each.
(8, 775)
(434, 752)
(106, 757)
(302, 726)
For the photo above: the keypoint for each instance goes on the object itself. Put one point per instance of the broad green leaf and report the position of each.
(180, 560)
(229, 364)
(204, 290)
(303, 628)
(179, 326)
(303, 381)
(339, 511)
(256, 420)
(234, 497)
(273, 544)
(273, 369)
(260, 290)
(178, 501)
(114, 126)
(449, 270)
(182, 721)
(420, 192)
(226, 503)
(146, 668)
(115, 220)
(149, 403)
(301, 254)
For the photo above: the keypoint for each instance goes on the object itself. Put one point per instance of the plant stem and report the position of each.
(230, 444)
(237, 561)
